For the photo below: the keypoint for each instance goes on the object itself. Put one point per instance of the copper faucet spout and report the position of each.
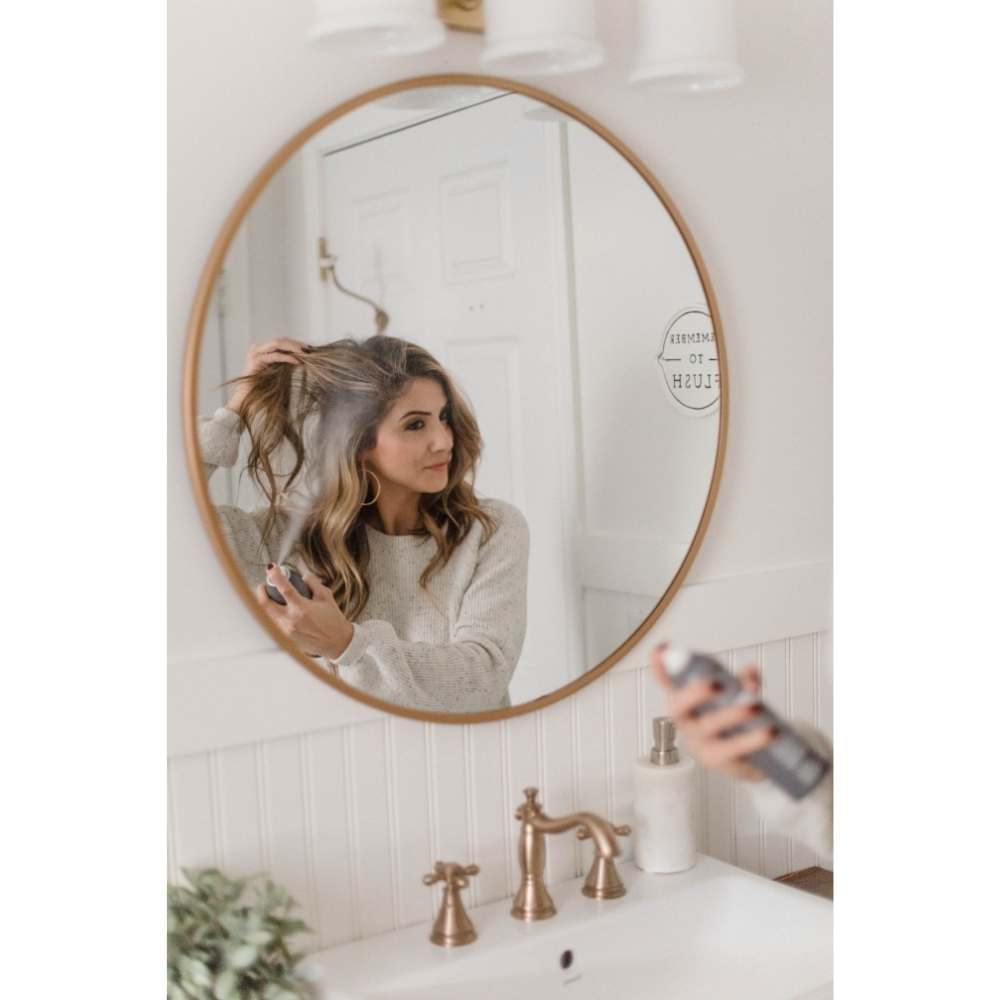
(600, 830)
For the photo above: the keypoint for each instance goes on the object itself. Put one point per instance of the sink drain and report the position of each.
(566, 959)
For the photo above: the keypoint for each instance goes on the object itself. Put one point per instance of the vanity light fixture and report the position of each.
(686, 45)
(682, 45)
(541, 37)
(382, 27)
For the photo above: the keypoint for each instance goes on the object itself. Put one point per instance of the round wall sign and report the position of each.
(689, 362)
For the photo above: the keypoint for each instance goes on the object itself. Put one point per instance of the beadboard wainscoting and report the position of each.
(350, 817)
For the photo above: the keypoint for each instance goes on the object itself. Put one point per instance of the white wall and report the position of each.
(750, 173)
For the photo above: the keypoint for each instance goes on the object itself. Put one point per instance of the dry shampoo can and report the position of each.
(788, 760)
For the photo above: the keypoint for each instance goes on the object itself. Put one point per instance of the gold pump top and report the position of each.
(664, 749)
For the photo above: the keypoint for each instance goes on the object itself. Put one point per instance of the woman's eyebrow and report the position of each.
(419, 413)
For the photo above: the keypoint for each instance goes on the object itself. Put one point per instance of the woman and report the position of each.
(419, 586)
(708, 738)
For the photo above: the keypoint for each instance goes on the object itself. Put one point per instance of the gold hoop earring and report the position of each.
(378, 487)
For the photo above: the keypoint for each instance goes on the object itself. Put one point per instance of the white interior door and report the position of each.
(468, 255)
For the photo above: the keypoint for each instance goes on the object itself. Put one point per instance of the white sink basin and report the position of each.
(712, 932)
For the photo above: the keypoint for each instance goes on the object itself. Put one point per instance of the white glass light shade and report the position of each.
(387, 27)
(541, 37)
(687, 45)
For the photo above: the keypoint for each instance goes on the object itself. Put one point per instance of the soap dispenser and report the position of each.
(664, 804)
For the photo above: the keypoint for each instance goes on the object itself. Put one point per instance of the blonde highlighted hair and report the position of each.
(326, 411)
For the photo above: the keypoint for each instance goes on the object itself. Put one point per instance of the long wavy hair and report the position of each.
(323, 413)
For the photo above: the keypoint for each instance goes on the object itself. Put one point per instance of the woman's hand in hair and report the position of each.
(283, 351)
(316, 625)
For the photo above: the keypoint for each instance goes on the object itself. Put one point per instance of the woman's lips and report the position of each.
(438, 468)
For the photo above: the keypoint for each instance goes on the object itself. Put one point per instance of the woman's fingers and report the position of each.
(694, 695)
(288, 344)
(750, 679)
(282, 350)
(279, 344)
(713, 723)
(659, 668)
(319, 589)
(271, 608)
(718, 752)
(275, 358)
(278, 614)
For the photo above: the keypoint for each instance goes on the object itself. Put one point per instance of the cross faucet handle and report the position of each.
(452, 873)
(452, 928)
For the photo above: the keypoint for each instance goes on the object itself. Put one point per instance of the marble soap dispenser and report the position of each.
(664, 805)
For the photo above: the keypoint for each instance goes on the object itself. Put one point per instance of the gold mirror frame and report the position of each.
(206, 284)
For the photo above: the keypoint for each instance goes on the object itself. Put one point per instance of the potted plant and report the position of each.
(223, 947)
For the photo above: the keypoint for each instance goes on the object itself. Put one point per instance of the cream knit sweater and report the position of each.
(451, 647)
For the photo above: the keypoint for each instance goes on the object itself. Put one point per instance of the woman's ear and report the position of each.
(364, 455)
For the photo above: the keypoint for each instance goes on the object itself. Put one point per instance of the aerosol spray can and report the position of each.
(294, 578)
(788, 760)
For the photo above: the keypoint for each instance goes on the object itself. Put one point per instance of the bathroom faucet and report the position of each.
(533, 901)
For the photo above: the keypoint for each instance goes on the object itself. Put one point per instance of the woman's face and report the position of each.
(414, 441)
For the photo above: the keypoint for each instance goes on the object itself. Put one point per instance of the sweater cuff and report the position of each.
(364, 635)
(219, 437)
(223, 415)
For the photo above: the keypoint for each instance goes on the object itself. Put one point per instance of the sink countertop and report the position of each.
(712, 931)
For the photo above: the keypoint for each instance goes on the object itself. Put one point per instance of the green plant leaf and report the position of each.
(258, 937)
(195, 971)
(225, 985)
(278, 992)
(242, 957)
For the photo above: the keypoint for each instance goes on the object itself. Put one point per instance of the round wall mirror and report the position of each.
(455, 398)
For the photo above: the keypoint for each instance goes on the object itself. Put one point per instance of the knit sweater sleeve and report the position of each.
(808, 820)
(470, 673)
(219, 440)
(243, 530)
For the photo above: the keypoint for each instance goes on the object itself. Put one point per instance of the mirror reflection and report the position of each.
(459, 377)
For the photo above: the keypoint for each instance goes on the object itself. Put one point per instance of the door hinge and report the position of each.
(326, 260)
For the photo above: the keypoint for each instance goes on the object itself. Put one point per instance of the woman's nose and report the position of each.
(444, 438)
